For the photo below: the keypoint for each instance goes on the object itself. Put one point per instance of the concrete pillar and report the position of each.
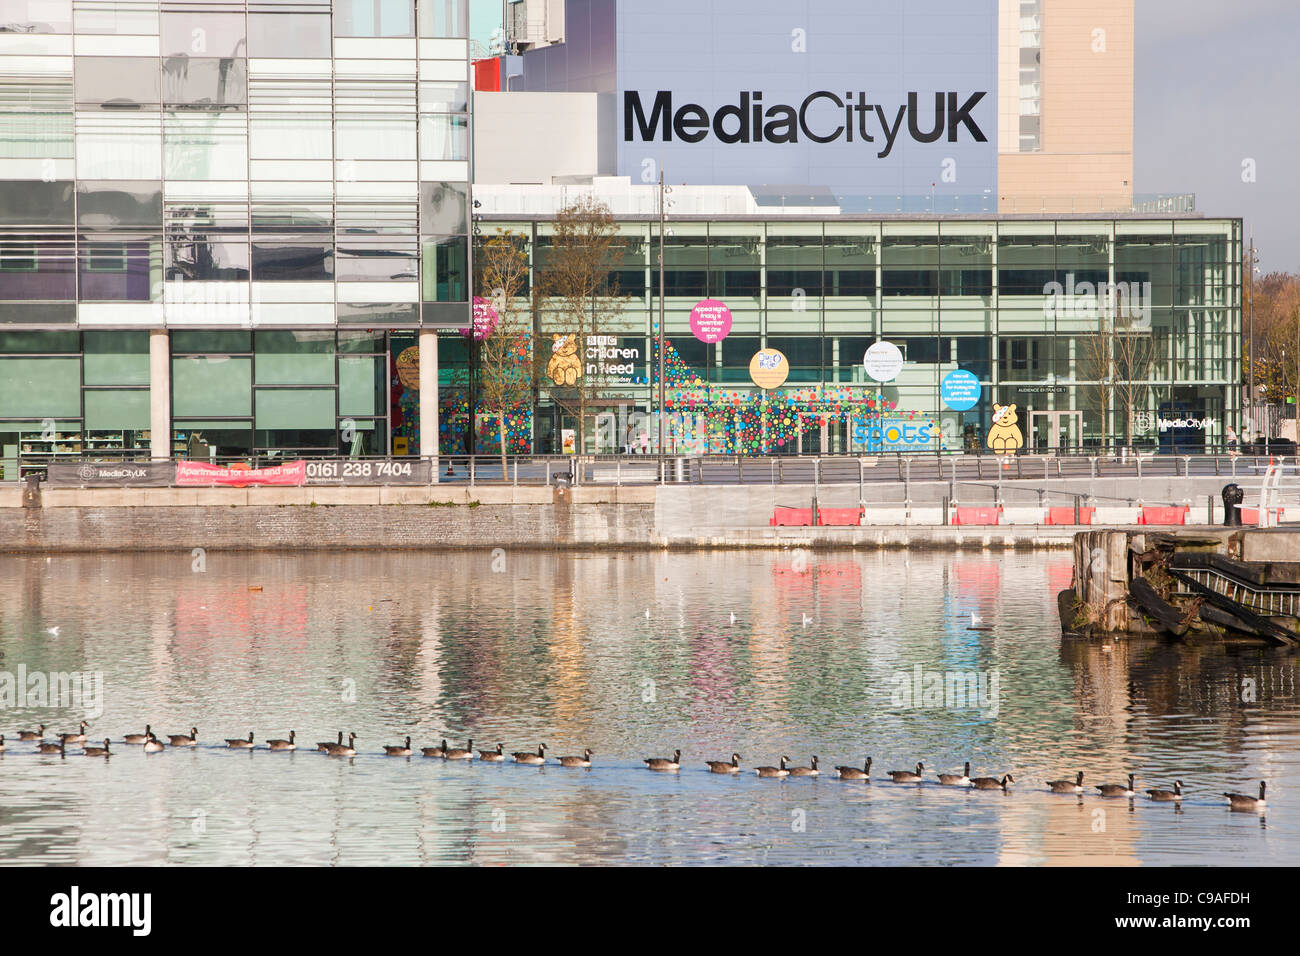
(429, 396)
(160, 394)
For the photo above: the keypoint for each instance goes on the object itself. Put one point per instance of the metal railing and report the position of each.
(650, 469)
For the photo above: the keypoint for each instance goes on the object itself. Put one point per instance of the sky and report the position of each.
(1216, 84)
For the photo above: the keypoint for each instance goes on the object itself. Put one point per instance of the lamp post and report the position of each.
(1250, 359)
(662, 219)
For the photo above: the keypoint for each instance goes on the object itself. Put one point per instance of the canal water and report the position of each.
(924, 657)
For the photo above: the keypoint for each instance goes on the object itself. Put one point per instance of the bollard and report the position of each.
(946, 503)
(1232, 498)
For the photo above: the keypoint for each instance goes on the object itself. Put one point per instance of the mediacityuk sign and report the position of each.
(864, 98)
(102, 474)
(290, 474)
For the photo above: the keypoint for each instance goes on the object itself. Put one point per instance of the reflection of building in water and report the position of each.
(428, 656)
(1102, 830)
(569, 609)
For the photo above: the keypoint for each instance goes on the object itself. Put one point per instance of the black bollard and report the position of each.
(1232, 498)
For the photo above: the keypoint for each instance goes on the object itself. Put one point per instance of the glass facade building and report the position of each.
(265, 180)
(242, 228)
(1038, 309)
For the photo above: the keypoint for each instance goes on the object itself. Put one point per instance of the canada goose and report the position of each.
(806, 771)
(185, 740)
(1168, 796)
(1240, 801)
(455, 753)
(583, 761)
(44, 748)
(774, 771)
(96, 751)
(493, 756)
(237, 744)
(853, 773)
(435, 751)
(956, 779)
(325, 745)
(78, 738)
(665, 763)
(37, 734)
(343, 750)
(139, 738)
(992, 783)
(537, 758)
(153, 745)
(907, 776)
(283, 744)
(1067, 786)
(1117, 789)
(402, 750)
(725, 766)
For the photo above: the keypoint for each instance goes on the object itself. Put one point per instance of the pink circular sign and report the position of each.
(485, 320)
(711, 321)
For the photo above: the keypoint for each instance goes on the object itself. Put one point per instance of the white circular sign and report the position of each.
(883, 361)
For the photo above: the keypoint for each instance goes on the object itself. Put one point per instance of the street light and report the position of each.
(662, 217)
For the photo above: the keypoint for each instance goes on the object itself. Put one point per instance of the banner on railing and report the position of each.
(114, 474)
(290, 474)
(413, 471)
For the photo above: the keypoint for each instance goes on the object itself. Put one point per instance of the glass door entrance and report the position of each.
(1056, 432)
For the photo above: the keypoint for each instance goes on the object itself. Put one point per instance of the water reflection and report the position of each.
(559, 649)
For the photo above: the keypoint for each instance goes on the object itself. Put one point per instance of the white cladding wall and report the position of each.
(539, 137)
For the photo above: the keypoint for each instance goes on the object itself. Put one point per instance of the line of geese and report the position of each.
(337, 748)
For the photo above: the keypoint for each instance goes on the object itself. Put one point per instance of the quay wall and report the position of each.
(454, 518)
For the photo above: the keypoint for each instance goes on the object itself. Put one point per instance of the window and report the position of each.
(116, 82)
(105, 257)
(18, 258)
(374, 18)
(291, 33)
(36, 16)
(444, 18)
(444, 136)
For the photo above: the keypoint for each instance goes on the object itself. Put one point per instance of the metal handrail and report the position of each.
(777, 470)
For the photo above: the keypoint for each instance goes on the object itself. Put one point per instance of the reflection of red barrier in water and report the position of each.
(1060, 576)
(222, 623)
(1163, 515)
(840, 575)
(713, 676)
(977, 575)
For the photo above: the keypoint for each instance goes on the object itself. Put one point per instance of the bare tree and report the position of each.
(577, 284)
(1119, 357)
(505, 366)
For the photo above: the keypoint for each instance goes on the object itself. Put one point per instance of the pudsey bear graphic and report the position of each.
(565, 367)
(1004, 435)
